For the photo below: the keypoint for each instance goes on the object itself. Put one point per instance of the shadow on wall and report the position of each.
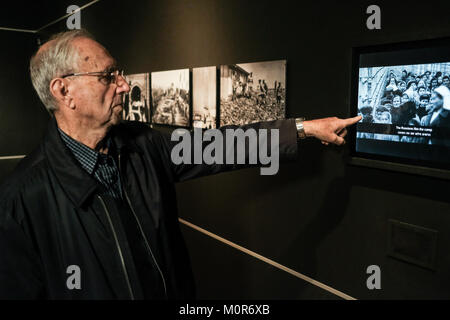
(398, 182)
(307, 165)
(313, 233)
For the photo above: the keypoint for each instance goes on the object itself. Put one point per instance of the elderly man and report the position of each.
(91, 213)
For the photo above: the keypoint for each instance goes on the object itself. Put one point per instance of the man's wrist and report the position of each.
(300, 124)
(308, 127)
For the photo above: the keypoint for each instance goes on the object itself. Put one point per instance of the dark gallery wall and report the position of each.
(22, 118)
(318, 216)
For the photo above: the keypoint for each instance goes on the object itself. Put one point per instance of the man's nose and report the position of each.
(122, 85)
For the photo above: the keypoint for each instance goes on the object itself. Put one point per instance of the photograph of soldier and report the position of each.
(136, 103)
(252, 92)
(415, 104)
(204, 97)
(170, 94)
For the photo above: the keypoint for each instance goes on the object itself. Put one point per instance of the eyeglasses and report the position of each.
(106, 77)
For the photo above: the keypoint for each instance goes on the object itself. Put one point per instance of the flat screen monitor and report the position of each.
(402, 92)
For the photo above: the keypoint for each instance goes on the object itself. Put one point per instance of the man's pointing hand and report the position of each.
(329, 130)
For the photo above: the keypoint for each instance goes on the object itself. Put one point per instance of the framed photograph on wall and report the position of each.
(136, 103)
(252, 92)
(204, 97)
(171, 97)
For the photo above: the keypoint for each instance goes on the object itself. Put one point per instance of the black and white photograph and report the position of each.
(252, 92)
(408, 95)
(136, 105)
(204, 97)
(170, 97)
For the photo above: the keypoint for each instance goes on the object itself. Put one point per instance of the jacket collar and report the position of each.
(75, 181)
(124, 139)
(87, 157)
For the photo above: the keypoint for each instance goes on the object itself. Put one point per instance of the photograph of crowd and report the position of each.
(252, 92)
(409, 95)
(136, 105)
(170, 97)
(204, 97)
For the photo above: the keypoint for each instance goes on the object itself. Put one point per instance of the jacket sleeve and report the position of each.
(287, 146)
(20, 273)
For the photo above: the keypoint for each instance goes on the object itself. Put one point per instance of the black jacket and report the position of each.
(53, 215)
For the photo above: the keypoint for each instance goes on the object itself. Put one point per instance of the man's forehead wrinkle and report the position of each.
(93, 56)
(95, 62)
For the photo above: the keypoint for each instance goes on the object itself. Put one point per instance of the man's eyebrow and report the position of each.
(110, 67)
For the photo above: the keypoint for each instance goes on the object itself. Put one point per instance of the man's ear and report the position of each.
(60, 91)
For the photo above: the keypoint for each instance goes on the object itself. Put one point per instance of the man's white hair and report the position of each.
(57, 59)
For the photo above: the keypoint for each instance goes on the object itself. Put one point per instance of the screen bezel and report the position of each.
(385, 162)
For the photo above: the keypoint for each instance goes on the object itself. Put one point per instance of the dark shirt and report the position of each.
(101, 166)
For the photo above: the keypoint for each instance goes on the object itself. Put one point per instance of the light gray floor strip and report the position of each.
(11, 157)
(269, 261)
